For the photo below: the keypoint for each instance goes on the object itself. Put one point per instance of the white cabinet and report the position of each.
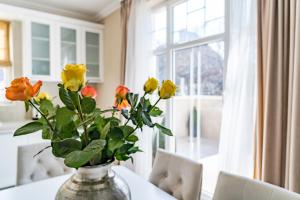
(49, 45)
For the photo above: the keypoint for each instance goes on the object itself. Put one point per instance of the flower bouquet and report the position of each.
(82, 134)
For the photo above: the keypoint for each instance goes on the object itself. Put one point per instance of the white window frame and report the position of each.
(7, 78)
(171, 47)
(8, 72)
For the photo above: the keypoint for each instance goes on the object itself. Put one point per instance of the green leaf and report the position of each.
(26, 105)
(126, 130)
(74, 97)
(155, 112)
(47, 107)
(123, 149)
(77, 159)
(88, 105)
(114, 144)
(66, 99)
(100, 122)
(116, 133)
(147, 119)
(64, 147)
(134, 150)
(95, 146)
(68, 130)
(93, 132)
(132, 99)
(122, 157)
(63, 117)
(137, 118)
(46, 133)
(104, 131)
(163, 129)
(29, 128)
(132, 138)
(114, 121)
(146, 104)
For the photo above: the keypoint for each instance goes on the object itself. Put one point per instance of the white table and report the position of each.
(46, 189)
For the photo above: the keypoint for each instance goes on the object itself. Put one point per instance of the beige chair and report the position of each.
(178, 176)
(43, 166)
(232, 187)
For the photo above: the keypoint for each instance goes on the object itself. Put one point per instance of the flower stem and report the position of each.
(85, 135)
(155, 104)
(42, 114)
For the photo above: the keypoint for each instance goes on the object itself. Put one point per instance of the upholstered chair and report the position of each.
(178, 176)
(232, 187)
(43, 166)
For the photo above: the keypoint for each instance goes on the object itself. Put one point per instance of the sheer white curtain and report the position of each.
(237, 131)
(138, 69)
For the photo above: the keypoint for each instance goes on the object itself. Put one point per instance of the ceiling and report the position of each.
(92, 10)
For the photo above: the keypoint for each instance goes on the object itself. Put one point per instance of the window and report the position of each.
(5, 62)
(189, 48)
(4, 44)
(5, 74)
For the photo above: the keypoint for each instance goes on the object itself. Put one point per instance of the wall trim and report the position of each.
(107, 10)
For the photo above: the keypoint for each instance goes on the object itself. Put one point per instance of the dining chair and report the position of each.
(233, 187)
(42, 166)
(176, 175)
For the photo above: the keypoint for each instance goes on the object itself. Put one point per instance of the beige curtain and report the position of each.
(277, 156)
(125, 12)
(4, 44)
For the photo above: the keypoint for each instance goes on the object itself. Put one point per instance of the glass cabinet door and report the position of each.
(92, 54)
(68, 46)
(40, 40)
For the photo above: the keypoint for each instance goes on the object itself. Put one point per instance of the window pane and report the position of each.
(197, 106)
(195, 19)
(199, 70)
(161, 73)
(161, 67)
(1, 75)
(159, 29)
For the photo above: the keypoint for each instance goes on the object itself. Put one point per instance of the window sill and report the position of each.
(6, 104)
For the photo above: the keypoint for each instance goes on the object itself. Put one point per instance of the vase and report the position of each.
(94, 182)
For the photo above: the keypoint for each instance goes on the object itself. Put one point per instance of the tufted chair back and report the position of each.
(43, 166)
(178, 176)
(232, 187)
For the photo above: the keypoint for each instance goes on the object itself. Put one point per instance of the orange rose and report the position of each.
(89, 91)
(22, 90)
(122, 105)
(121, 92)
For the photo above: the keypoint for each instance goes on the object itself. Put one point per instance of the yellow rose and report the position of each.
(42, 95)
(167, 90)
(73, 76)
(151, 85)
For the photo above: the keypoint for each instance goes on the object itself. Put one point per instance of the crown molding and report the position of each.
(107, 10)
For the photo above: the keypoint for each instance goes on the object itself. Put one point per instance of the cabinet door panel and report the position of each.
(40, 48)
(40, 30)
(40, 67)
(40, 53)
(92, 54)
(68, 46)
